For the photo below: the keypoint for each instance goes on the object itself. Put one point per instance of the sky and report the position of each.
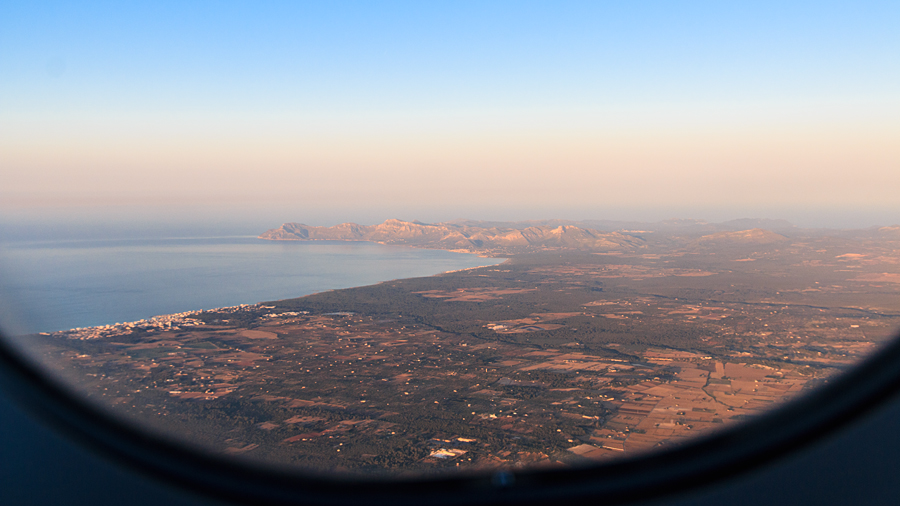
(324, 112)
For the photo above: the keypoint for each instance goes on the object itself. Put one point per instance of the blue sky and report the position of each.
(451, 109)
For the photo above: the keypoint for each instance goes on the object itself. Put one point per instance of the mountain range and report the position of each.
(463, 236)
(496, 238)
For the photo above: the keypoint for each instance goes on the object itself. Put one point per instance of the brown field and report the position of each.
(473, 294)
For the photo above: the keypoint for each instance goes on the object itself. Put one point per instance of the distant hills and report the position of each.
(752, 236)
(677, 226)
(499, 238)
(461, 236)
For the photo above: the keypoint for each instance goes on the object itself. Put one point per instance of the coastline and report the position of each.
(98, 283)
(185, 319)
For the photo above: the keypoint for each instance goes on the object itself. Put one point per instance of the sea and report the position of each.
(51, 285)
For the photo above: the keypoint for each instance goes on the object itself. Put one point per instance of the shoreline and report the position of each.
(176, 321)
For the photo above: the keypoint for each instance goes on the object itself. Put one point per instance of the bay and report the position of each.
(58, 285)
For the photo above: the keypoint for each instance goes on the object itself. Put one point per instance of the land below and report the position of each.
(592, 341)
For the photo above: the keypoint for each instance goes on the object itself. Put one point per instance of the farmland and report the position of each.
(553, 358)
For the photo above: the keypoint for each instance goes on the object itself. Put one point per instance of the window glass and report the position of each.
(400, 239)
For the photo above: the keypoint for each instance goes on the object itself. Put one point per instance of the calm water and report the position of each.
(66, 284)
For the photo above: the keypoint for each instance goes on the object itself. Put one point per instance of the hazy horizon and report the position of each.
(49, 224)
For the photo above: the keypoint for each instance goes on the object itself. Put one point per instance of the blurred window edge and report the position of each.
(705, 461)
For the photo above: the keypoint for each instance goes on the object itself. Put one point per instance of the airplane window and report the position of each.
(502, 245)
